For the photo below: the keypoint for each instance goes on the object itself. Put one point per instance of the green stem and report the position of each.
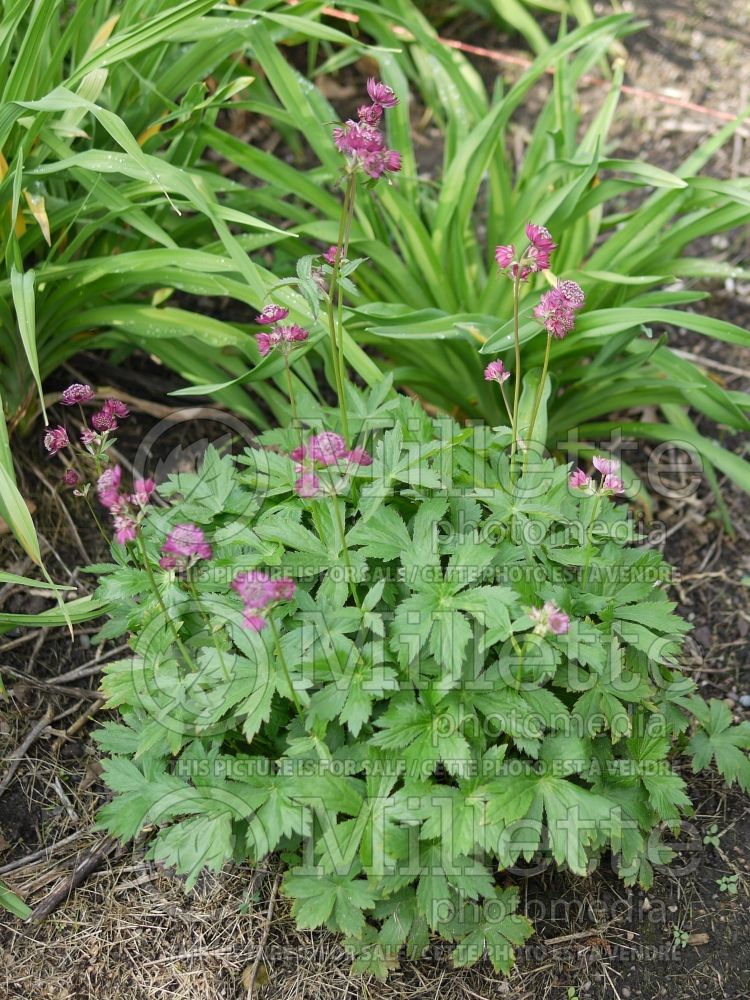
(517, 386)
(162, 607)
(290, 388)
(505, 400)
(589, 533)
(538, 400)
(335, 320)
(206, 623)
(287, 675)
(345, 549)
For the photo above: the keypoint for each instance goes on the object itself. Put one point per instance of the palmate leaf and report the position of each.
(494, 930)
(338, 901)
(720, 741)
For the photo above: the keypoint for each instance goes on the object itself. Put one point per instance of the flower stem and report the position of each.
(162, 607)
(538, 400)
(517, 386)
(345, 549)
(285, 670)
(505, 400)
(336, 293)
(589, 533)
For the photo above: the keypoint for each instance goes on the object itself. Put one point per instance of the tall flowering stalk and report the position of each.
(364, 146)
(535, 257)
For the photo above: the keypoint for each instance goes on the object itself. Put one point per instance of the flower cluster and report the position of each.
(362, 141)
(126, 509)
(259, 592)
(557, 308)
(326, 449)
(549, 618)
(185, 545)
(496, 372)
(536, 256)
(93, 437)
(610, 484)
(281, 335)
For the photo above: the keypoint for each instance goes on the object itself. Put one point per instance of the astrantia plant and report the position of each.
(406, 655)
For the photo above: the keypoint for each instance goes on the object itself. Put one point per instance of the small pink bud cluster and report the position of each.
(610, 484)
(331, 255)
(280, 335)
(325, 449)
(496, 372)
(536, 256)
(549, 618)
(557, 308)
(185, 545)
(126, 508)
(106, 419)
(259, 592)
(362, 141)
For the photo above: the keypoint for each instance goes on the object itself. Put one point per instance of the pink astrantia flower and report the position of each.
(612, 484)
(264, 342)
(549, 618)
(357, 456)
(272, 314)
(103, 420)
(331, 255)
(578, 480)
(76, 393)
(505, 255)
(370, 113)
(187, 540)
(125, 529)
(541, 246)
(381, 161)
(496, 372)
(284, 588)
(70, 478)
(326, 448)
(143, 491)
(254, 622)
(89, 437)
(307, 486)
(380, 94)
(557, 308)
(55, 439)
(572, 292)
(116, 408)
(255, 588)
(108, 487)
(605, 465)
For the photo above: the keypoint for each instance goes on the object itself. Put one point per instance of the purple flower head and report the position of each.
(125, 529)
(169, 562)
(573, 292)
(76, 393)
(284, 588)
(541, 246)
(144, 489)
(370, 113)
(307, 486)
(272, 314)
(292, 334)
(505, 255)
(70, 478)
(612, 484)
(358, 137)
(187, 540)
(104, 420)
(89, 437)
(549, 618)
(331, 255)
(496, 372)
(255, 588)
(256, 623)
(326, 448)
(55, 439)
(382, 161)
(578, 480)
(556, 313)
(605, 465)
(264, 342)
(357, 456)
(381, 94)
(108, 487)
(116, 408)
